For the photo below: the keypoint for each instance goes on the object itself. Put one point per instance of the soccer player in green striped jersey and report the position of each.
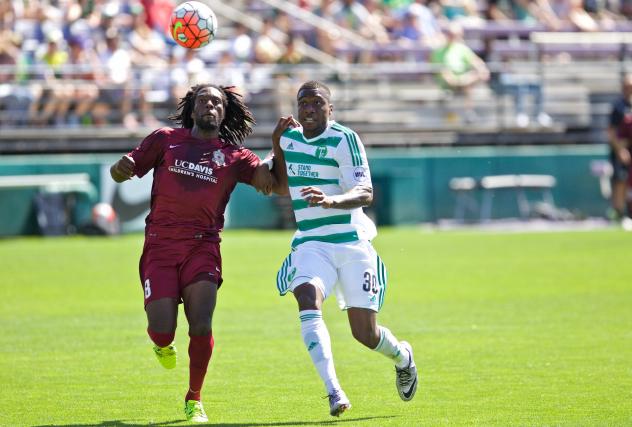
(323, 166)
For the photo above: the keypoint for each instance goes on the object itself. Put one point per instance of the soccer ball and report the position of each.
(193, 25)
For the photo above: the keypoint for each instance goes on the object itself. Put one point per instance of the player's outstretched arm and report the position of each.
(359, 196)
(263, 180)
(279, 170)
(123, 169)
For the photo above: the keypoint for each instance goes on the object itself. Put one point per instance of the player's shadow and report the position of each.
(119, 423)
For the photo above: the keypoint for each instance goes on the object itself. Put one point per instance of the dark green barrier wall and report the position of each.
(411, 185)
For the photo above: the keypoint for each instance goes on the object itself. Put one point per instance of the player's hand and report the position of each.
(315, 197)
(282, 125)
(123, 169)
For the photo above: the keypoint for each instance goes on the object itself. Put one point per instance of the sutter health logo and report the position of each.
(195, 170)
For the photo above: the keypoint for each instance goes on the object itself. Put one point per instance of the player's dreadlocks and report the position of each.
(316, 85)
(238, 119)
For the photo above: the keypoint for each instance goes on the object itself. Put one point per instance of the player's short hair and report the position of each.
(316, 85)
(238, 119)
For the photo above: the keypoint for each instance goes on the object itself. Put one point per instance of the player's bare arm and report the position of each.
(123, 169)
(263, 180)
(279, 170)
(358, 197)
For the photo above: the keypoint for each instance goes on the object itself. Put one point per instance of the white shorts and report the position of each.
(354, 271)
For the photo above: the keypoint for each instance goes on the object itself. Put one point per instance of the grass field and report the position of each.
(509, 329)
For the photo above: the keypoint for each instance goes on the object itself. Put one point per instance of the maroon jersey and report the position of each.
(193, 179)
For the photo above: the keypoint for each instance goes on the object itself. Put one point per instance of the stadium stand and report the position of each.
(54, 100)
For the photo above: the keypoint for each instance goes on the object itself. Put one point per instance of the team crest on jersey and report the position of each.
(218, 158)
(321, 152)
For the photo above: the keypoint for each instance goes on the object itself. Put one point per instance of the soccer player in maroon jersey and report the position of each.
(196, 167)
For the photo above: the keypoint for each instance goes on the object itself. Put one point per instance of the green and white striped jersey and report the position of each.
(335, 162)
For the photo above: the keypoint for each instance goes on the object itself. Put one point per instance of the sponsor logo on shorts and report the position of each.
(195, 170)
(290, 276)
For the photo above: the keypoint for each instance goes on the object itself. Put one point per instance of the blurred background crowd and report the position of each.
(96, 62)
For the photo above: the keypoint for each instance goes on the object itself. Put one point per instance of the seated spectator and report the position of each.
(459, 68)
(426, 23)
(520, 86)
(354, 16)
(81, 75)
(580, 18)
(241, 43)
(464, 11)
(56, 93)
(327, 40)
(292, 54)
(528, 12)
(115, 83)
(267, 49)
(16, 95)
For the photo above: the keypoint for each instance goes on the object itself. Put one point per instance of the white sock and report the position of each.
(391, 348)
(318, 344)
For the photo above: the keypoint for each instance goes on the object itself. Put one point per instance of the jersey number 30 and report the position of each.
(370, 282)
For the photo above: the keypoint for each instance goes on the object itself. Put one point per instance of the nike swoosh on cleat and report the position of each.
(174, 146)
(410, 390)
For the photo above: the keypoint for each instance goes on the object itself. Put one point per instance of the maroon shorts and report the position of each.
(167, 266)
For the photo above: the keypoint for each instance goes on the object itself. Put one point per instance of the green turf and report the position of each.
(509, 329)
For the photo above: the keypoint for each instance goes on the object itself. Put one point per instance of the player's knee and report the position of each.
(200, 327)
(307, 298)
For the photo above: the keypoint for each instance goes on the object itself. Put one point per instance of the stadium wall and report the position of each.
(410, 184)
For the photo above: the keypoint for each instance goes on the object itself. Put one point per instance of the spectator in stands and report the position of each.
(354, 16)
(241, 43)
(426, 23)
(527, 12)
(115, 84)
(620, 141)
(327, 40)
(56, 92)
(292, 54)
(572, 14)
(464, 11)
(149, 59)
(81, 76)
(267, 49)
(459, 68)
(15, 92)
(520, 84)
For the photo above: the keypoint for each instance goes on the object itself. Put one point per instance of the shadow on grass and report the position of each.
(118, 423)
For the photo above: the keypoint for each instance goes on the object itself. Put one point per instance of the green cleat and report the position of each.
(194, 411)
(167, 356)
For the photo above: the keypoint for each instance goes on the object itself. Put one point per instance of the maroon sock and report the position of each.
(161, 340)
(200, 350)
